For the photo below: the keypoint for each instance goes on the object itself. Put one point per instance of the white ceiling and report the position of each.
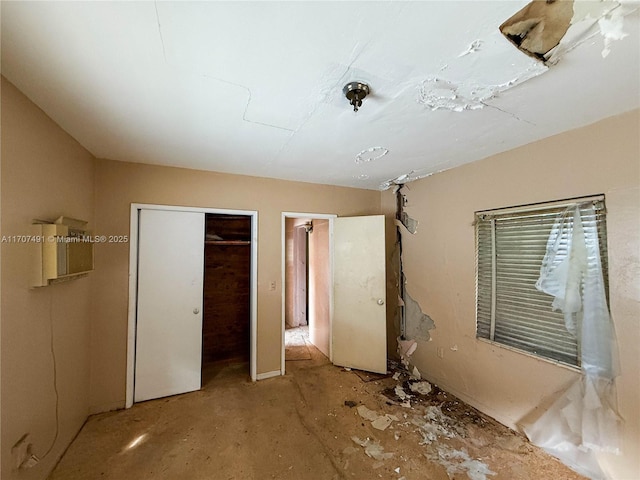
(256, 87)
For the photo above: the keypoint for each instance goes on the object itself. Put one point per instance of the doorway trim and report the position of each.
(283, 267)
(133, 284)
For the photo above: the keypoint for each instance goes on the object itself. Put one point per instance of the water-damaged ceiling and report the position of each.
(255, 88)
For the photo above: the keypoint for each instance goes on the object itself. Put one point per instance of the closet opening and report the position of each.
(226, 321)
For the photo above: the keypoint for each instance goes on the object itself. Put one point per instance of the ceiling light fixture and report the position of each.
(355, 93)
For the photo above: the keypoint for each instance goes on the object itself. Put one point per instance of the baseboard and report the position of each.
(264, 376)
(107, 407)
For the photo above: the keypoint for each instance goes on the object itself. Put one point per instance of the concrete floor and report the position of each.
(299, 427)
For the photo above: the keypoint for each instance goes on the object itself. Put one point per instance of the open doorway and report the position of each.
(346, 288)
(296, 333)
(308, 285)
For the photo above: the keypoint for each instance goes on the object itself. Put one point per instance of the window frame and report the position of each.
(549, 211)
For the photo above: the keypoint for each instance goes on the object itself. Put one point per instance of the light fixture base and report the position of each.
(355, 93)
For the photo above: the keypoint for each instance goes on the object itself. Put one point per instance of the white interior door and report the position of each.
(359, 332)
(169, 314)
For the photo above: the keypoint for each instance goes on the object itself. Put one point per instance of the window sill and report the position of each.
(566, 366)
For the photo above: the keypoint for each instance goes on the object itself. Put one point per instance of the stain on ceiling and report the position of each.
(256, 88)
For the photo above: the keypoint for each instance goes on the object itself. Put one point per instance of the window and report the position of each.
(511, 245)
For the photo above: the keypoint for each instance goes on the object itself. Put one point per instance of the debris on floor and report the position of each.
(458, 461)
(442, 423)
(367, 414)
(383, 421)
(379, 422)
(423, 388)
(399, 391)
(373, 448)
(435, 425)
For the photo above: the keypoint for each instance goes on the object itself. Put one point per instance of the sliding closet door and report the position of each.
(169, 311)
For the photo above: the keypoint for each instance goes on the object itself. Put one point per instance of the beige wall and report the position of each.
(45, 174)
(119, 184)
(439, 264)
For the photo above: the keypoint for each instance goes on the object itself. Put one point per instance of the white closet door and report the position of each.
(169, 314)
(359, 320)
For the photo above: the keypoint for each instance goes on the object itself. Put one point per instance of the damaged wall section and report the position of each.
(413, 324)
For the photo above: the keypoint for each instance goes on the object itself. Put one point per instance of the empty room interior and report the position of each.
(320, 240)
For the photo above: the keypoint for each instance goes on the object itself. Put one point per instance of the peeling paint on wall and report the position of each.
(418, 323)
(409, 223)
(403, 217)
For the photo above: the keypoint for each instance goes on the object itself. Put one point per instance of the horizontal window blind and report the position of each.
(510, 310)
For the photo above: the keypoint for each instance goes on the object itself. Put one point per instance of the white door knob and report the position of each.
(380, 301)
(196, 311)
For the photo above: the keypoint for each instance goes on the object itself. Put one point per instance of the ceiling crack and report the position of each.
(164, 53)
(246, 107)
(509, 113)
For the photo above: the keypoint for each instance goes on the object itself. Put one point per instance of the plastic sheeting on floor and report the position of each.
(584, 419)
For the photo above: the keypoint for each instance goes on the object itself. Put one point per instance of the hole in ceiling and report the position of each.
(539, 27)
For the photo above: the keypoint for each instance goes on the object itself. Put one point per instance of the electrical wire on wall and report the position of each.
(55, 377)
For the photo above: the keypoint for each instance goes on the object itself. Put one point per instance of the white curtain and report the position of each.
(584, 419)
